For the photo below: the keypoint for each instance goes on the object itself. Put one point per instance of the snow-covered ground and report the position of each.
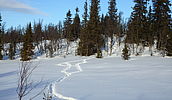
(88, 78)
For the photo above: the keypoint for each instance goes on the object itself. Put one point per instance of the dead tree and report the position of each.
(25, 84)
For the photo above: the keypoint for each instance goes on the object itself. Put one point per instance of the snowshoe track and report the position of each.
(68, 65)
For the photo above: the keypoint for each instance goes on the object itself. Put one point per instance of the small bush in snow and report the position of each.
(125, 53)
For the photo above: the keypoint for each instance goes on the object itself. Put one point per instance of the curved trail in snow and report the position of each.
(68, 65)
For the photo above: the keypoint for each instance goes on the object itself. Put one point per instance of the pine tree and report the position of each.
(27, 51)
(125, 53)
(162, 20)
(1, 43)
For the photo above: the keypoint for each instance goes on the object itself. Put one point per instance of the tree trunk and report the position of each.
(67, 49)
(111, 45)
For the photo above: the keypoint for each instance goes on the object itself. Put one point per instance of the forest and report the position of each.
(149, 25)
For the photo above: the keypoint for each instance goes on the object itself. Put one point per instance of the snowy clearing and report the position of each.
(88, 78)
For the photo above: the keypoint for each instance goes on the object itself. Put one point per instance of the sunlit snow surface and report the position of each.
(88, 78)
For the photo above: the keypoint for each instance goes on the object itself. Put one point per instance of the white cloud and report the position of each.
(13, 5)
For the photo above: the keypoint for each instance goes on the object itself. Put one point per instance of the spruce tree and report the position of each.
(150, 32)
(11, 51)
(68, 27)
(13, 39)
(95, 41)
(76, 25)
(38, 36)
(137, 23)
(68, 30)
(91, 39)
(1, 42)
(83, 46)
(113, 22)
(27, 50)
(83, 49)
(125, 53)
(169, 45)
(121, 28)
(162, 20)
(85, 15)
(150, 35)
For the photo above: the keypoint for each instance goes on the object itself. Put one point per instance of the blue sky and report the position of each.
(20, 12)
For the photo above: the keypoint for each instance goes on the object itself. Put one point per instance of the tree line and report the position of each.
(150, 24)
